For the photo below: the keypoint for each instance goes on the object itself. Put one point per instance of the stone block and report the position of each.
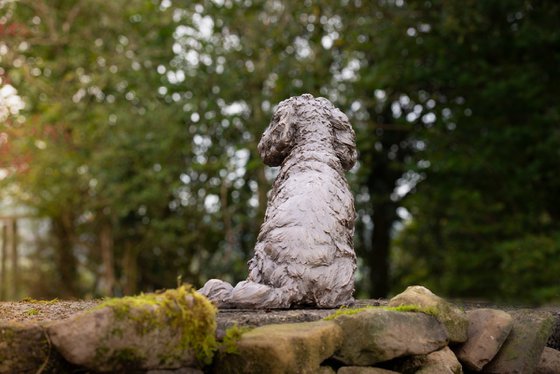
(452, 317)
(442, 361)
(522, 350)
(24, 348)
(326, 370)
(377, 335)
(282, 349)
(155, 331)
(363, 370)
(488, 330)
(554, 339)
(176, 371)
(549, 362)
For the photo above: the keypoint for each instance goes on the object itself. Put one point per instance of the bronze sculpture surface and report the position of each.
(304, 252)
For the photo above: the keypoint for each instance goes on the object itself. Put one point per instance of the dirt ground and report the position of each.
(41, 311)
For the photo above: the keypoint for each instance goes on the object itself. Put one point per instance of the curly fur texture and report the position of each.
(304, 252)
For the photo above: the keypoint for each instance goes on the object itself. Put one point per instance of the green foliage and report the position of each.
(139, 134)
(487, 187)
(523, 276)
(104, 148)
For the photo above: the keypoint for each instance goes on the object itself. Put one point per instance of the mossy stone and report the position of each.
(24, 347)
(488, 330)
(522, 350)
(453, 318)
(376, 335)
(171, 329)
(279, 349)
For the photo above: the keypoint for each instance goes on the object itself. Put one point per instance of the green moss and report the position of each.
(345, 311)
(125, 358)
(101, 353)
(42, 302)
(432, 311)
(231, 337)
(118, 332)
(182, 309)
(32, 312)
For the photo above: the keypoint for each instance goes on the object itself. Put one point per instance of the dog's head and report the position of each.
(281, 135)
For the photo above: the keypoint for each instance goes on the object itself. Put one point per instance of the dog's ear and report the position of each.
(279, 137)
(344, 139)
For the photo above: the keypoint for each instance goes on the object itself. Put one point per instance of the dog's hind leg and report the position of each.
(248, 294)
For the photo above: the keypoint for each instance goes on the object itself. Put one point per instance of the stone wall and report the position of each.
(181, 332)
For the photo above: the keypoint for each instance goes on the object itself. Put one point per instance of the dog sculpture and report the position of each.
(304, 253)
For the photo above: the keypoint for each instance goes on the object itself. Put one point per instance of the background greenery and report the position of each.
(137, 143)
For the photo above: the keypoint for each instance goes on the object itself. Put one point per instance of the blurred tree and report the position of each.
(105, 148)
(142, 120)
(238, 60)
(488, 203)
(230, 63)
(373, 42)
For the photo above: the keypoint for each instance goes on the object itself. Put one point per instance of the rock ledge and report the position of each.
(147, 334)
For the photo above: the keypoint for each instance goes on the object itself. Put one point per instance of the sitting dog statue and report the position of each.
(304, 252)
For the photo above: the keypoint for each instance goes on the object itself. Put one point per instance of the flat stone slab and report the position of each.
(260, 317)
(377, 335)
(277, 349)
(256, 318)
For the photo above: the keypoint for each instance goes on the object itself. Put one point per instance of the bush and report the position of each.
(530, 269)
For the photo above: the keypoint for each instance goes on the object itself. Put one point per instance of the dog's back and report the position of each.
(305, 243)
(304, 252)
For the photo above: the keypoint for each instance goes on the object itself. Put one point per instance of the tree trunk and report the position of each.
(381, 182)
(387, 167)
(130, 269)
(226, 217)
(379, 260)
(4, 254)
(106, 246)
(15, 258)
(66, 261)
